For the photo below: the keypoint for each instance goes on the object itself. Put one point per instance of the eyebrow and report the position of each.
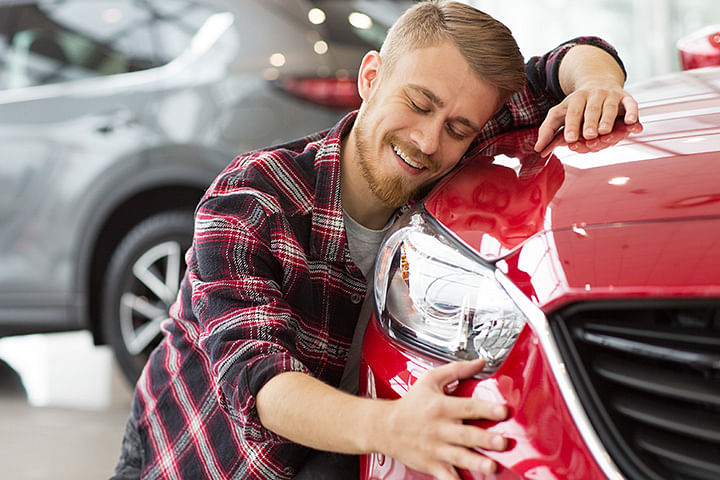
(439, 103)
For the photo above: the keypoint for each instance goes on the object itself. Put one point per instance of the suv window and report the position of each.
(56, 41)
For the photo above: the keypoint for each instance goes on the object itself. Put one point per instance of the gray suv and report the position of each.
(114, 118)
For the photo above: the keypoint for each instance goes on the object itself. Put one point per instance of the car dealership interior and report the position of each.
(64, 395)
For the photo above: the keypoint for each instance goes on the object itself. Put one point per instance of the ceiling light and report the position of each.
(316, 16)
(360, 20)
(320, 47)
(277, 59)
(271, 74)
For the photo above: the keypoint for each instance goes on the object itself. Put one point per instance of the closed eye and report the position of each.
(458, 135)
(419, 109)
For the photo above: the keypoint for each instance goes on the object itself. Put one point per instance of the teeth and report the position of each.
(407, 159)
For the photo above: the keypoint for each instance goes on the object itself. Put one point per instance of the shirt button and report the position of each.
(356, 298)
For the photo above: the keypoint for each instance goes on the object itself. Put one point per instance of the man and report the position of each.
(246, 378)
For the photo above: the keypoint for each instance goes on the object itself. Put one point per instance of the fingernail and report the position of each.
(604, 126)
(571, 137)
(488, 466)
(498, 442)
(631, 118)
(499, 411)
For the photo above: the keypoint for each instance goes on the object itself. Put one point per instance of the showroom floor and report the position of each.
(63, 407)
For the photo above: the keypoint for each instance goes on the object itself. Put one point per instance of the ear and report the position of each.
(368, 74)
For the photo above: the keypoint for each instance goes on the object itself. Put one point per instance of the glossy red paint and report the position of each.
(544, 442)
(619, 261)
(494, 208)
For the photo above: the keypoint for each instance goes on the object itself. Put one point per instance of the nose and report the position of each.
(426, 135)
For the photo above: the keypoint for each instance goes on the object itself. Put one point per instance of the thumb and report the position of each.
(440, 377)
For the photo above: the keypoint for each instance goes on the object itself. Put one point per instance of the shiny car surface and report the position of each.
(591, 284)
(115, 117)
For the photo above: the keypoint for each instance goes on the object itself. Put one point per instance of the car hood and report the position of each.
(500, 198)
(605, 218)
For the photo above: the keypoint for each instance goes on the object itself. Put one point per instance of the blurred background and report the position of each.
(114, 118)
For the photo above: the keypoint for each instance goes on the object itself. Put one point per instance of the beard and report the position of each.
(394, 191)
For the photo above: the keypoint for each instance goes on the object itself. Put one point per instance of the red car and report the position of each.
(590, 283)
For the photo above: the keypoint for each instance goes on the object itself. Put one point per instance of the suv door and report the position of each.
(67, 113)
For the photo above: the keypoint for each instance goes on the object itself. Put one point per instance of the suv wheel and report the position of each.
(141, 283)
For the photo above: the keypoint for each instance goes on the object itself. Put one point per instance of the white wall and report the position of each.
(643, 31)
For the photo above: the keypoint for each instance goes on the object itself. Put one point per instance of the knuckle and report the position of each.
(435, 407)
(467, 437)
(468, 409)
(593, 108)
(557, 111)
(455, 457)
(444, 472)
(574, 110)
(432, 430)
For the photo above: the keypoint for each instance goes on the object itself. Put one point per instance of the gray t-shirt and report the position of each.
(364, 244)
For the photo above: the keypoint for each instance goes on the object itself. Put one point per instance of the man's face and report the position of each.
(418, 120)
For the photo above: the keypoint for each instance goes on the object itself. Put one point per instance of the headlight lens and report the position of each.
(433, 295)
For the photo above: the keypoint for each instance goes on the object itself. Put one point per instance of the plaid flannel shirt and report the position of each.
(270, 287)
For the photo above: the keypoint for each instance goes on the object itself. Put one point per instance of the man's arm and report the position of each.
(593, 82)
(424, 429)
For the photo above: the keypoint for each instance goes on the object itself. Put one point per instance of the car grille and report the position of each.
(648, 375)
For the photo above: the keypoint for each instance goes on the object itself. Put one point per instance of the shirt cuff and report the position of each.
(543, 73)
(238, 398)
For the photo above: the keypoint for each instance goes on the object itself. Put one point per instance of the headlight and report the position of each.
(432, 294)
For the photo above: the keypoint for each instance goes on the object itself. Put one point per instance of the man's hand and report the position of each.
(619, 132)
(593, 82)
(426, 430)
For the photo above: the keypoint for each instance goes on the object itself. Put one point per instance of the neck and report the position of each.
(357, 199)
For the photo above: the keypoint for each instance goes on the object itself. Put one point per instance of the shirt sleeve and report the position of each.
(529, 107)
(543, 73)
(243, 250)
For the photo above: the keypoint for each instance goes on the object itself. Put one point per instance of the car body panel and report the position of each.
(543, 441)
(558, 268)
(612, 186)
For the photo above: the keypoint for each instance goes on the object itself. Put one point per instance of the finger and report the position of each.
(472, 437)
(591, 117)
(462, 408)
(441, 376)
(574, 117)
(631, 109)
(635, 127)
(467, 459)
(444, 471)
(609, 114)
(558, 141)
(553, 121)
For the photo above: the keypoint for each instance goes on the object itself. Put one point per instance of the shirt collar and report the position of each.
(327, 237)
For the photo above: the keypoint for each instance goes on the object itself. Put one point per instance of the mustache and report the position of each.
(411, 150)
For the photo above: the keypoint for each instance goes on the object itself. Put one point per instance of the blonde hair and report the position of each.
(486, 44)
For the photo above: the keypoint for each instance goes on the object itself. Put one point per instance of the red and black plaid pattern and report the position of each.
(269, 288)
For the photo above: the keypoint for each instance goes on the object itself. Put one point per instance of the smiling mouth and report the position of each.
(406, 158)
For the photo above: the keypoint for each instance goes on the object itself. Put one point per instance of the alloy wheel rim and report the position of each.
(153, 287)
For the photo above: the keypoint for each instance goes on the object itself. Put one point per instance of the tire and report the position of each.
(141, 282)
